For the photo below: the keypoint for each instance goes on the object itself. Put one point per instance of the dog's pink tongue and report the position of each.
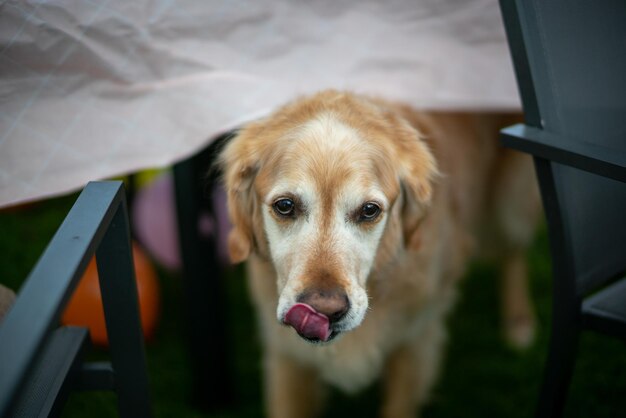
(308, 322)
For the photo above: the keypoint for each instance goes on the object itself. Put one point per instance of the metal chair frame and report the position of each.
(572, 310)
(41, 362)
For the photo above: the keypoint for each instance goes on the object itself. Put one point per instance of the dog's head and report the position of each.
(315, 188)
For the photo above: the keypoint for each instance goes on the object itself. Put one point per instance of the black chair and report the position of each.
(41, 362)
(570, 63)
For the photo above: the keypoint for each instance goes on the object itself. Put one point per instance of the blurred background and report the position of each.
(93, 89)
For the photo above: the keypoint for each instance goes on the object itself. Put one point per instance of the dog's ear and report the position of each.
(239, 164)
(418, 172)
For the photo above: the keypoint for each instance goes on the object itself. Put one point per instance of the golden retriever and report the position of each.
(357, 217)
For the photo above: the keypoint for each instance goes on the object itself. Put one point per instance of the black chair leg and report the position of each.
(121, 308)
(204, 297)
(559, 365)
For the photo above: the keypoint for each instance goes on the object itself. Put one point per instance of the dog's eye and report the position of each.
(369, 212)
(284, 207)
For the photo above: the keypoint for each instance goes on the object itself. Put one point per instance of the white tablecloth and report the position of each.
(95, 88)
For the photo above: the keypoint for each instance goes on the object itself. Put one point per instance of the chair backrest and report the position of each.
(570, 59)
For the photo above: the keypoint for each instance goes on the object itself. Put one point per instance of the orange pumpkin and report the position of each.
(85, 306)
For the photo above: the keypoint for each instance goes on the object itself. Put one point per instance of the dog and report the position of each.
(357, 218)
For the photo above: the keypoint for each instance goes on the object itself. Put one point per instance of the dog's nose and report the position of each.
(332, 303)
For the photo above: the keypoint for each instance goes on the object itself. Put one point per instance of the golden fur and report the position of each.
(446, 191)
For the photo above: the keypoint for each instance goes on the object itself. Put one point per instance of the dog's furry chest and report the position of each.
(344, 364)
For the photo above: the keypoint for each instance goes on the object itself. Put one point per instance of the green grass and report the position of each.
(482, 377)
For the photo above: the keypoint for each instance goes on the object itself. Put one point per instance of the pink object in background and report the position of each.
(155, 225)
